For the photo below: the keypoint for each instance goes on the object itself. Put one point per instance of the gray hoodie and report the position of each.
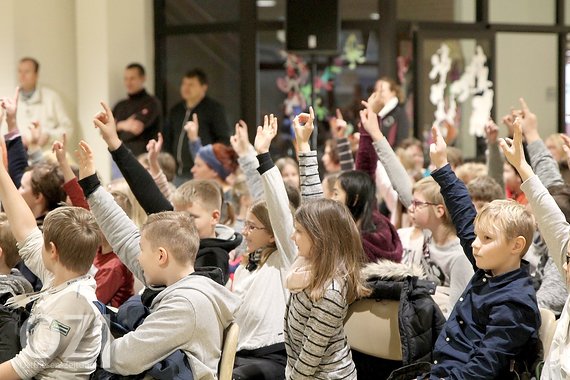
(189, 315)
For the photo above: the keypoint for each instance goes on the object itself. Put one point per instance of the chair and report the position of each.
(372, 328)
(547, 329)
(229, 348)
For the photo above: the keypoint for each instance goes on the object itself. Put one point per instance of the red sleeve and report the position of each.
(366, 157)
(75, 193)
(108, 281)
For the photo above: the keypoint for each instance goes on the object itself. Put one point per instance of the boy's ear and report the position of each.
(518, 245)
(162, 256)
(216, 214)
(52, 251)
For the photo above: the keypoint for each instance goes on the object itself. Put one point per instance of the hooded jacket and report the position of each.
(214, 252)
(420, 319)
(382, 243)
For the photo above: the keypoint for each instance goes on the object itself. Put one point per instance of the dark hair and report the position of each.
(137, 66)
(227, 156)
(360, 197)
(294, 195)
(485, 189)
(47, 179)
(197, 73)
(33, 61)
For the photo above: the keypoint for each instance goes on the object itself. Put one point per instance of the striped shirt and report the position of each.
(314, 336)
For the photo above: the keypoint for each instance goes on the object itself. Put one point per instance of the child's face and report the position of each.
(339, 194)
(148, 261)
(201, 170)
(205, 221)
(420, 211)
(302, 240)
(290, 175)
(330, 166)
(493, 252)
(417, 155)
(255, 234)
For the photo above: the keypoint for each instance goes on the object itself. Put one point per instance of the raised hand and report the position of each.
(438, 148)
(491, 132)
(10, 106)
(240, 140)
(265, 134)
(369, 119)
(106, 123)
(529, 123)
(154, 147)
(59, 149)
(566, 146)
(338, 125)
(375, 102)
(192, 128)
(303, 124)
(508, 120)
(513, 151)
(86, 160)
(37, 138)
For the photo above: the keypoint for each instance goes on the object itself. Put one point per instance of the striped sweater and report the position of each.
(316, 345)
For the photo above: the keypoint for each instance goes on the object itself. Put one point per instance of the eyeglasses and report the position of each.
(418, 204)
(250, 227)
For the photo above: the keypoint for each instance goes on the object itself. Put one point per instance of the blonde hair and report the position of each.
(203, 191)
(175, 231)
(508, 219)
(432, 193)
(76, 235)
(558, 143)
(454, 156)
(470, 171)
(259, 210)
(125, 198)
(336, 249)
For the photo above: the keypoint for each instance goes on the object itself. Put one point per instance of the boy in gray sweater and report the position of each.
(190, 314)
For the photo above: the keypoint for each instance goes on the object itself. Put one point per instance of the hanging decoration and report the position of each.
(353, 52)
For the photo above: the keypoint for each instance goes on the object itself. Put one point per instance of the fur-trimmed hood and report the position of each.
(389, 270)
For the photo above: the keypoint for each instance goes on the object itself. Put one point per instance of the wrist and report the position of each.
(440, 164)
(113, 143)
(525, 171)
(304, 147)
(532, 137)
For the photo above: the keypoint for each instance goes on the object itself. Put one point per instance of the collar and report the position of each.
(138, 95)
(388, 107)
(483, 277)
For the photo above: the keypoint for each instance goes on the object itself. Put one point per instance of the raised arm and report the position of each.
(551, 221)
(194, 142)
(494, 157)
(275, 193)
(247, 160)
(311, 187)
(338, 130)
(119, 230)
(140, 181)
(455, 194)
(71, 184)
(154, 147)
(366, 158)
(16, 152)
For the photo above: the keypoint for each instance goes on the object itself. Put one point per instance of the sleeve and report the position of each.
(75, 193)
(542, 163)
(495, 164)
(325, 321)
(385, 189)
(249, 165)
(395, 170)
(17, 157)
(510, 327)
(30, 251)
(120, 231)
(460, 275)
(552, 224)
(55, 334)
(403, 126)
(109, 281)
(152, 113)
(140, 181)
(221, 128)
(366, 158)
(278, 208)
(163, 185)
(460, 207)
(344, 154)
(311, 187)
(173, 321)
(552, 293)
(194, 147)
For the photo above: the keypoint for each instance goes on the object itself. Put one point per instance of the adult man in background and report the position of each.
(40, 104)
(213, 126)
(139, 117)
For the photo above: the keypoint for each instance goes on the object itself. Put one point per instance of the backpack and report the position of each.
(11, 322)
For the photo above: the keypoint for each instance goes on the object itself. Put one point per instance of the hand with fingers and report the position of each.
(59, 148)
(508, 120)
(265, 134)
(369, 120)
(529, 123)
(37, 138)
(513, 151)
(438, 148)
(10, 106)
(375, 102)
(566, 147)
(192, 128)
(240, 140)
(105, 122)
(304, 124)
(491, 132)
(338, 125)
(86, 160)
(154, 147)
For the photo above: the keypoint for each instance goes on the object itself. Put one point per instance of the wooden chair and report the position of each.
(547, 329)
(229, 348)
(372, 328)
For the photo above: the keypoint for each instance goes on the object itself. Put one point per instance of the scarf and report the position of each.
(299, 275)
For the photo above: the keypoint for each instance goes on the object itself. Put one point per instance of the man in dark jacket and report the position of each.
(211, 119)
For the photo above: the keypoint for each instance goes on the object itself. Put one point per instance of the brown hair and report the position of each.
(394, 87)
(168, 165)
(34, 62)
(204, 191)
(75, 234)
(285, 161)
(454, 156)
(8, 243)
(47, 180)
(125, 198)
(175, 231)
(485, 189)
(336, 250)
(411, 141)
(227, 156)
(331, 144)
(259, 210)
(432, 193)
(508, 219)
(470, 171)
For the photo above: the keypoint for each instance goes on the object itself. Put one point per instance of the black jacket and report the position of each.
(213, 128)
(420, 319)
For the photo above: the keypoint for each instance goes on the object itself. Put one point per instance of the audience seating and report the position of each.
(229, 349)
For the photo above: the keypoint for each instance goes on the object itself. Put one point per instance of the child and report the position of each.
(324, 280)
(190, 313)
(496, 320)
(12, 283)
(64, 328)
